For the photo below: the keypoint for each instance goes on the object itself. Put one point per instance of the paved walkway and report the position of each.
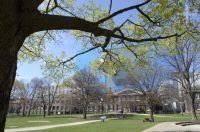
(48, 127)
(171, 127)
(156, 115)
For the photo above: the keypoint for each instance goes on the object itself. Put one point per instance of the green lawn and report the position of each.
(19, 122)
(133, 123)
(109, 126)
(130, 124)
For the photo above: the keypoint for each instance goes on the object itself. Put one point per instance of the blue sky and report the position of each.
(71, 46)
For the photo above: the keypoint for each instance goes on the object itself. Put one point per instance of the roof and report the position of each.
(127, 91)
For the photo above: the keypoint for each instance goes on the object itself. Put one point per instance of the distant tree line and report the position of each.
(38, 95)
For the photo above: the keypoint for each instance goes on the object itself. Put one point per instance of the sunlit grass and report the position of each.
(133, 123)
(118, 125)
(20, 121)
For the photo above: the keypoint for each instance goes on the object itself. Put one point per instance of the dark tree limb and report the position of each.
(55, 22)
(122, 11)
(145, 15)
(47, 8)
(81, 53)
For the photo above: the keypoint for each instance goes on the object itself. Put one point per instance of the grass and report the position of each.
(20, 122)
(109, 126)
(132, 123)
(172, 118)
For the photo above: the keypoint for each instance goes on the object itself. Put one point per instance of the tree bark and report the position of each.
(193, 111)
(151, 114)
(23, 110)
(44, 111)
(13, 31)
(11, 39)
(29, 111)
(84, 113)
(8, 66)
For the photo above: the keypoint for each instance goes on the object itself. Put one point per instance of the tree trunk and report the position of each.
(193, 111)
(181, 108)
(49, 101)
(44, 111)
(29, 111)
(13, 32)
(23, 111)
(8, 66)
(49, 110)
(151, 114)
(84, 113)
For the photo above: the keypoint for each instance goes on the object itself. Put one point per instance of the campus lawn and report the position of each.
(133, 123)
(173, 117)
(29, 121)
(108, 126)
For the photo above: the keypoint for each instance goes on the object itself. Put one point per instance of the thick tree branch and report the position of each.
(31, 3)
(55, 22)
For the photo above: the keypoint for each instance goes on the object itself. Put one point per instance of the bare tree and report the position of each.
(20, 93)
(147, 80)
(51, 90)
(34, 86)
(87, 88)
(26, 94)
(184, 61)
(42, 94)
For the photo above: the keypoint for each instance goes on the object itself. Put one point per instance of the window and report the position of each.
(57, 107)
(53, 108)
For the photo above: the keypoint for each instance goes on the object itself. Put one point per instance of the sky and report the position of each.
(71, 46)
